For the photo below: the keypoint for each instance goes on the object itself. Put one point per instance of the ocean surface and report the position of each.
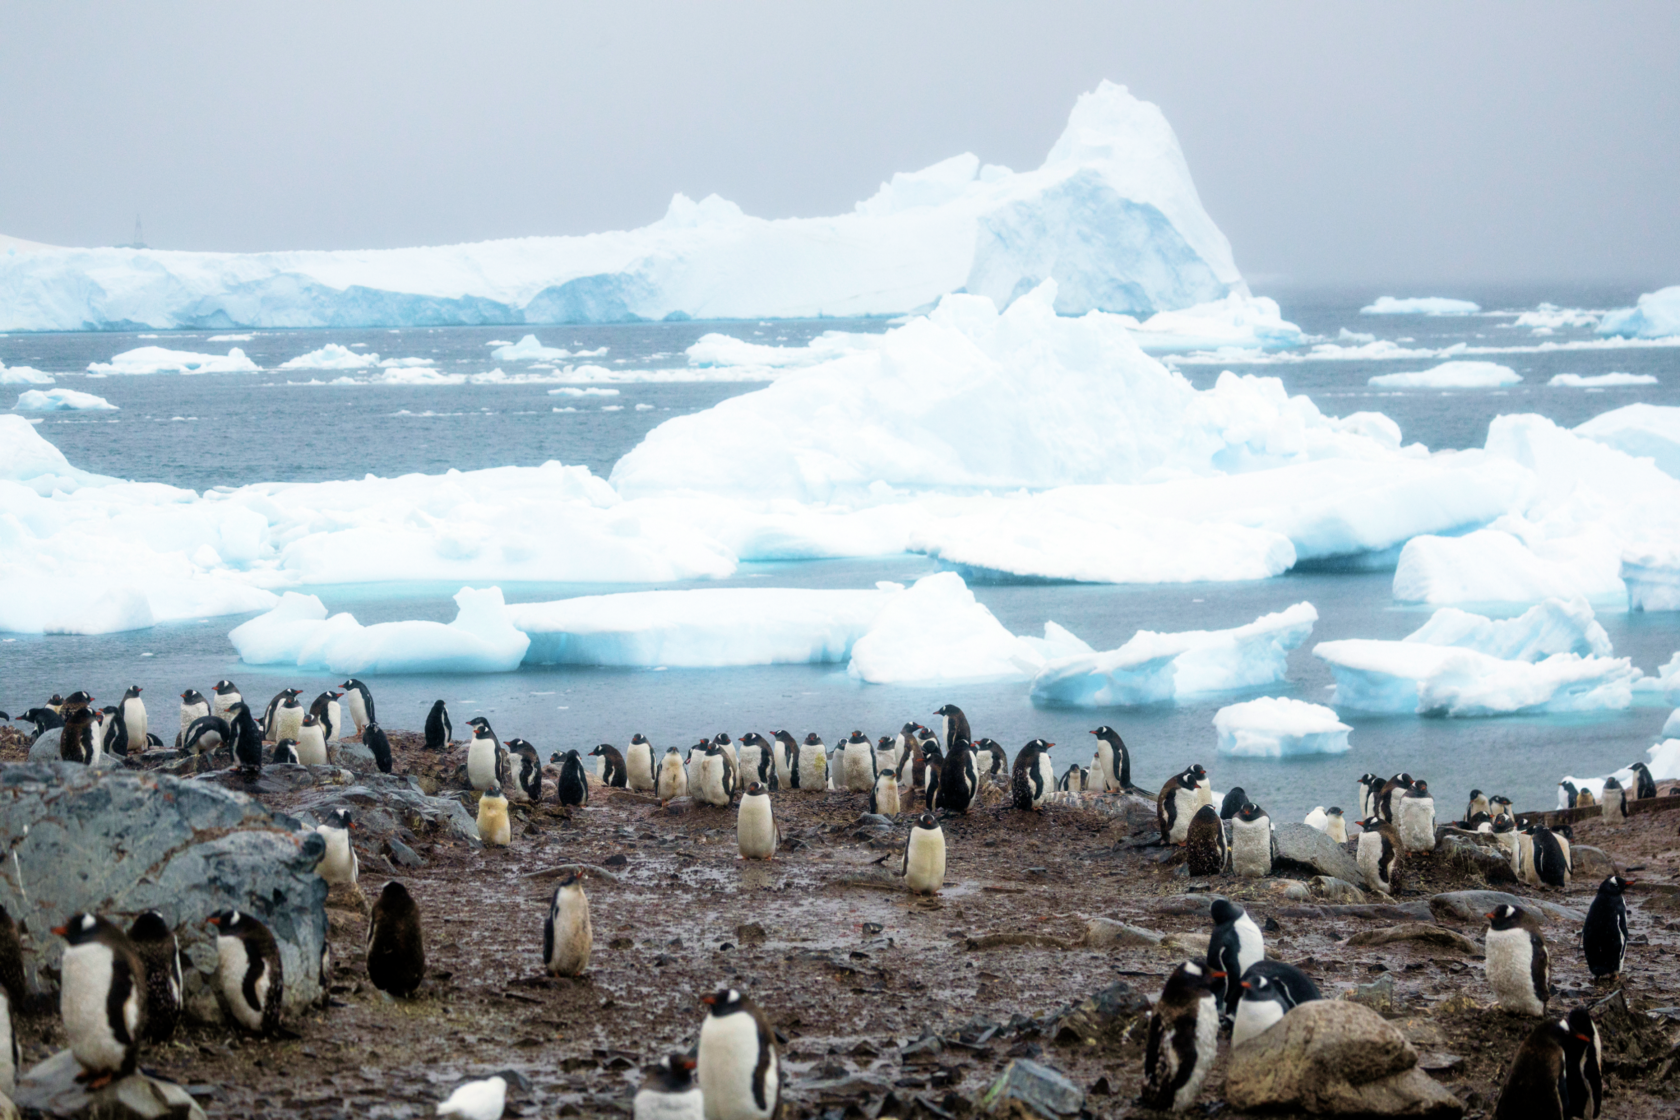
(212, 430)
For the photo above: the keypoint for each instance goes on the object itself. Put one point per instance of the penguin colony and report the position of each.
(120, 989)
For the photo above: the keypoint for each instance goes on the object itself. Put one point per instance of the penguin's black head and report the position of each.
(311, 720)
(1615, 884)
(394, 892)
(1421, 788)
(81, 928)
(1612, 783)
(1475, 793)
(782, 737)
(602, 749)
(1505, 916)
(1567, 831)
(709, 749)
(78, 697)
(573, 878)
(638, 738)
(725, 1002)
(1640, 767)
(1367, 778)
(1334, 811)
(948, 710)
(341, 818)
(1224, 910)
(1040, 745)
(351, 683)
(676, 1072)
(1188, 979)
(1581, 1026)
(926, 821)
(134, 690)
(884, 741)
(149, 926)
(755, 790)
(558, 757)
(1198, 771)
(722, 738)
(1257, 986)
(228, 923)
(1186, 780)
(1504, 824)
(1250, 812)
(812, 740)
(494, 791)
(1371, 823)
(1103, 732)
(221, 687)
(294, 693)
(56, 699)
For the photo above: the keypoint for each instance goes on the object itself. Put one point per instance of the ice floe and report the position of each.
(1279, 727)
(1671, 726)
(528, 349)
(23, 375)
(1601, 380)
(937, 633)
(332, 356)
(157, 359)
(1451, 375)
(1550, 317)
(1656, 316)
(1406, 678)
(1419, 305)
(1640, 429)
(61, 400)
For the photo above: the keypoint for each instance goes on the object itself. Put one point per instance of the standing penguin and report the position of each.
(567, 936)
(954, 725)
(758, 761)
(1517, 967)
(1233, 803)
(1183, 1040)
(717, 777)
(933, 762)
(1551, 858)
(1114, 761)
(524, 770)
(224, 694)
(11, 1059)
(1415, 816)
(193, 705)
(1478, 804)
(1604, 935)
(112, 735)
(814, 753)
(243, 738)
(696, 756)
(283, 717)
(1253, 846)
(160, 955)
(1380, 855)
(339, 865)
(958, 781)
(438, 728)
(1204, 843)
(573, 787)
(991, 759)
(1176, 804)
(360, 700)
(924, 856)
(1073, 779)
(755, 824)
(494, 828)
(1368, 784)
(1235, 945)
(1535, 1087)
(1583, 1055)
(1269, 990)
(641, 766)
(131, 718)
(325, 709)
(285, 752)
(375, 740)
(613, 772)
(884, 799)
(786, 750)
(857, 763)
(102, 998)
(1644, 784)
(1336, 824)
(249, 978)
(740, 1078)
(670, 1092)
(1615, 799)
(1034, 777)
(311, 739)
(396, 947)
(484, 756)
(671, 782)
(78, 741)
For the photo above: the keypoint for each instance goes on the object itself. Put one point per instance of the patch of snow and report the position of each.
(1451, 375)
(61, 400)
(1420, 305)
(1279, 727)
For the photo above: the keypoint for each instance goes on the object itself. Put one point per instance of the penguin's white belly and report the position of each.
(638, 769)
(336, 718)
(784, 771)
(1046, 779)
(1204, 795)
(134, 718)
(339, 864)
(358, 709)
(1251, 848)
(481, 763)
(1370, 860)
(86, 986)
(654, 1105)
(673, 779)
(1251, 945)
(711, 782)
(1185, 802)
(1526, 871)
(1510, 971)
(288, 724)
(573, 935)
(1338, 830)
(924, 869)
(1207, 1049)
(232, 964)
(222, 705)
(1253, 1017)
(1318, 819)
(190, 712)
(860, 771)
(816, 760)
(728, 1064)
(1102, 769)
(311, 745)
(695, 761)
(1417, 824)
(755, 828)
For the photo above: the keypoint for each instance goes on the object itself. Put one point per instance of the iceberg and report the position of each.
(1495, 566)
(157, 359)
(1451, 375)
(528, 349)
(332, 356)
(1420, 305)
(1656, 316)
(937, 633)
(1671, 727)
(1663, 762)
(1549, 317)
(1405, 678)
(1278, 727)
(1554, 626)
(61, 400)
(1152, 668)
(1600, 381)
(1648, 430)
(1652, 576)
(23, 375)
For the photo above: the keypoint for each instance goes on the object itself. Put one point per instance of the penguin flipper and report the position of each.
(1539, 968)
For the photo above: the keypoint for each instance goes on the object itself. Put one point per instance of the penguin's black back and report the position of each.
(1535, 1086)
(1232, 804)
(1549, 859)
(373, 738)
(1296, 985)
(957, 778)
(1604, 935)
(1204, 843)
(396, 955)
(573, 786)
(155, 942)
(437, 727)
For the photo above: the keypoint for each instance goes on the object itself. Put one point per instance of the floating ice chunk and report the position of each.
(1601, 381)
(528, 349)
(23, 375)
(26, 457)
(1494, 566)
(61, 400)
(230, 338)
(1656, 316)
(1649, 430)
(1405, 677)
(1278, 727)
(405, 363)
(1238, 320)
(1555, 626)
(1451, 375)
(1652, 576)
(1550, 317)
(276, 637)
(332, 356)
(1153, 667)
(588, 391)
(157, 359)
(1420, 305)
(936, 633)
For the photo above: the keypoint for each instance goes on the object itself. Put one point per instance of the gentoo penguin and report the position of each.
(1500, 806)
(525, 768)
(884, 799)
(339, 865)
(438, 728)
(1034, 777)
(717, 776)
(56, 703)
(477, 1100)
(375, 740)
(1551, 858)
(44, 719)
(356, 695)
(131, 719)
(1318, 819)
(484, 756)
(11, 963)
(1570, 793)
(193, 705)
(813, 763)
(1253, 846)
(1583, 1055)
(1524, 865)
(1114, 761)
(1604, 935)
(160, 956)
(1337, 824)
(75, 701)
(224, 695)
(1235, 945)
(1481, 822)
(958, 781)
(924, 856)
(1204, 843)
(670, 1092)
(757, 761)
(324, 708)
(1535, 1087)
(1389, 795)
(493, 825)
(1644, 785)
(1517, 967)
(102, 998)
(1072, 779)
(905, 742)
(1505, 833)
(740, 1078)
(285, 751)
(1380, 855)
(613, 772)
(1415, 816)
(755, 824)
(205, 734)
(1183, 1040)
(1234, 801)
(1478, 804)
(78, 742)
(567, 936)
(283, 717)
(857, 763)
(311, 739)
(785, 748)
(396, 947)
(1615, 798)
(1368, 785)
(696, 755)
(933, 762)
(113, 737)
(994, 767)
(954, 725)
(1176, 804)
(1269, 990)
(640, 767)
(249, 978)
(671, 782)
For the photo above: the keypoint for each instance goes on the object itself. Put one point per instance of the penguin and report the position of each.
(1551, 858)
(360, 699)
(883, 799)
(671, 782)
(1481, 822)
(567, 936)
(284, 717)
(78, 742)
(249, 977)
(813, 757)
(1415, 816)
(958, 782)
(1072, 779)
(755, 824)
(1644, 784)
(1114, 761)
(1478, 804)
(571, 789)
(477, 1100)
(1318, 819)
(1500, 805)
(1253, 847)
(740, 1077)
(525, 770)
(44, 719)
(1505, 834)
(1183, 1040)
(1034, 777)
(56, 704)
(1269, 990)
(857, 763)
(1391, 791)
(924, 856)
(131, 718)
(1234, 801)
(1527, 869)
(670, 1092)
(1204, 843)
(322, 708)
(1614, 798)
(717, 777)
(1368, 783)
(758, 761)
(285, 751)
(396, 945)
(785, 749)
(160, 957)
(339, 865)
(1604, 935)
(224, 695)
(438, 728)
(375, 740)
(1380, 855)
(1535, 1087)
(1337, 824)
(493, 825)
(995, 767)
(886, 754)
(933, 762)
(954, 726)
(11, 963)
(193, 706)
(1235, 945)
(696, 755)
(205, 734)
(311, 738)
(1583, 1055)
(102, 998)
(1584, 798)
(484, 756)
(74, 702)
(613, 772)
(641, 769)
(1570, 793)
(112, 736)
(1176, 804)
(906, 741)
(1517, 967)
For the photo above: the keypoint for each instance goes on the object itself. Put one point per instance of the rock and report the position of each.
(1417, 931)
(1103, 1016)
(1290, 890)
(47, 746)
(385, 803)
(749, 933)
(124, 841)
(51, 1088)
(1591, 864)
(1474, 906)
(1378, 995)
(353, 756)
(1027, 1089)
(1332, 889)
(1306, 848)
(1195, 944)
(402, 855)
(1369, 912)
(1106, 933)
(1468, 855)
(1334, 1057)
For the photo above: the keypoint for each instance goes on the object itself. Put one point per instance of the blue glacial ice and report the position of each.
(1648, 430)
(61, 400)
(1415, 678)
(1657, 315)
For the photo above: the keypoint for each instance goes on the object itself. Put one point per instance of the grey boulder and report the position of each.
(1028, 1088)
(1474, 906)
(1304, 847)
(51, 1089)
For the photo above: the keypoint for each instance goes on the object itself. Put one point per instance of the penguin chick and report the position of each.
(670, 1092)
(814, 752)
(924, 856)
(339, 865)
(857, 763)
(1535, 1086)
(1204, 843)
(477, 1100)
(739, 1074)
(1033, 778)
(1183, 1040)
(438, 728)
(493, 825)
(613, 772)
(671, 781)
(285, 751)
(1252, 843)
(1235, 946)
(1604, 935)
(567, 936)
(102, 998)
(572, 790)
(396, 947)
(884, 799)
(1517, 967)
(1337, 824)
(756, 762)
(1614, 798)
(249, 979)
(1415, 817)
(160, 954)
(755, 825)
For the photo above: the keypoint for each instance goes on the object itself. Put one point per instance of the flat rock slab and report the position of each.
(1423, 932)
(1469, 855)
(1335, 890)
(51, 1089)
(1106, 933)
(1474, 906)
(1305, 847)
(1026, 1088)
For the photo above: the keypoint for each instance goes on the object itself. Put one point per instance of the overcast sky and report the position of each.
(1332, 142)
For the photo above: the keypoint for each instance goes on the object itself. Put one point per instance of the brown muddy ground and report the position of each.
(853, 971)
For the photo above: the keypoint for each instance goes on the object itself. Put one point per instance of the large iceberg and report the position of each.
(1451, 375)
(1279, 727)
(1649, 430)
(1656, 316)
(1407, 678)
(61, 400)
(1419, 305)
(1111, 215)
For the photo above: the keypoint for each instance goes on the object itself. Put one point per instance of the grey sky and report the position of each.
(1427, 143)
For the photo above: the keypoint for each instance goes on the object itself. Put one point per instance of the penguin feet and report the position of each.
(96, 1081)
